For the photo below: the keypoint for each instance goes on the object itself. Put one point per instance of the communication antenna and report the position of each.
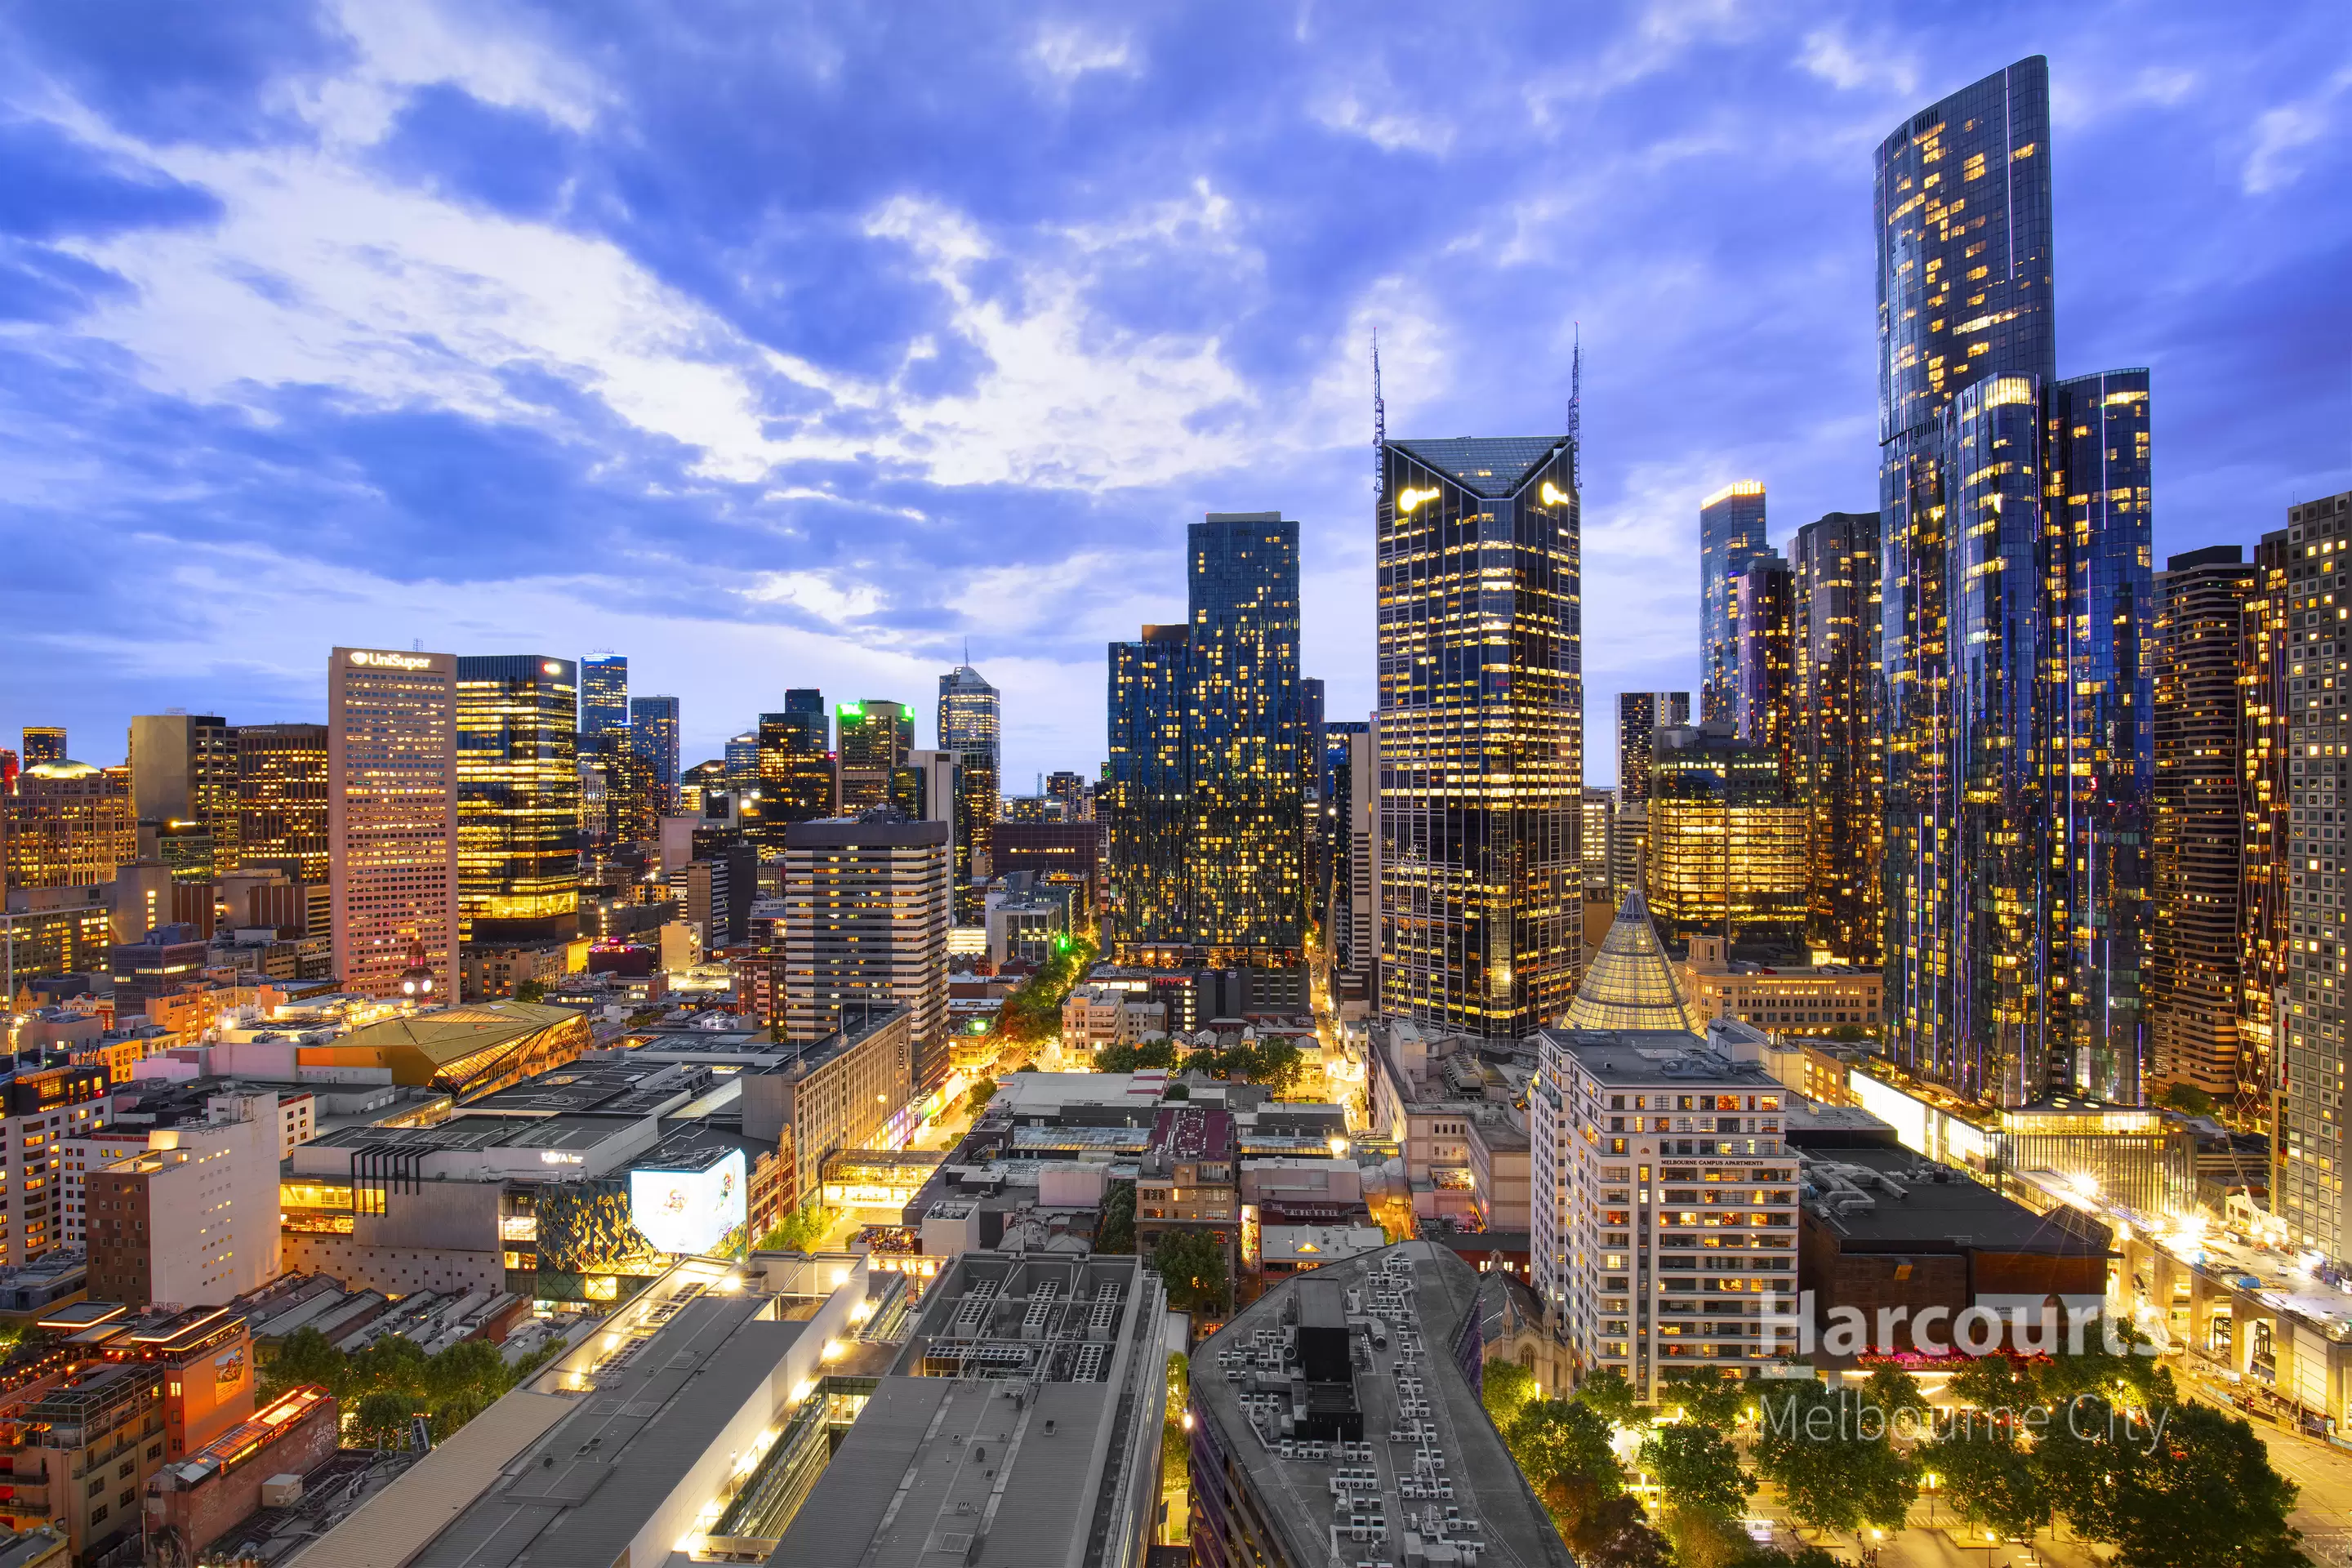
(1380, 426)
(1576, 408)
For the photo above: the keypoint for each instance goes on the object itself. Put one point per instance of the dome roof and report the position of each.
(1631, 985)
(66, 768)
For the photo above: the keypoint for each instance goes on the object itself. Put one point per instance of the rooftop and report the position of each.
(1484, 466)
(1630, 984)
(452, 1034)
(1655, 1057)
(1892, 1199)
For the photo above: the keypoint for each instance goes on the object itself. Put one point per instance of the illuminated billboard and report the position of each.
(689, 1211)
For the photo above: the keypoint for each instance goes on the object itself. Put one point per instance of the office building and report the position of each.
(1481, 733)
(1350, 1470)
(69, 824)
(1055, 851)
(1600, 814)
(1072, 794)
(604, 696)
(191, 1219)
(44, 743)
(2199, 821)
(970, 724)
(2267, 628)
(1730, 539)
(799, 775)
(1352, 922)
(1835, 769)
(517, 798)
(848, 1089)
(281, 800)
(743, 763)
(184, 772)
(1726, 851)
(1640, 716)
(875, 737)
(632, 804)
(1763, 662)
(392, 816)
(1821, 1000)
(867, 911)
(2014, 601)
(652, 735)
(2308, 1141)
(42, 1109)
(1207, 800)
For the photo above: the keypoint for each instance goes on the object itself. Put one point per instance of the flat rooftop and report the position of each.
(1917, 1206)
(464, 1132)
(607, 1088)
(1657, 1057)
(1425, 1430)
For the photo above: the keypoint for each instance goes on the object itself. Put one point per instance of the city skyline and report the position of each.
(1242, 296)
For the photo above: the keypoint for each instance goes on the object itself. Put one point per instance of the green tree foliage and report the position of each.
(2207, 1496)
(1275, 1063)
(382, 1418)
(981, 1093)
(1504, 1386)
(2189, 1099)
(1832, 1455)
(1117, 1233)
(306, 1356)
(1709, 1397)
(1159, 1053)
(1697, 1466)
(1193, 1265)
(400, 1379)
(1034, 1012)
(1553, 1439)
(801, 1229)
(1610, 1396)
(529, 990)
(1175, 1444)
(1985, 1474)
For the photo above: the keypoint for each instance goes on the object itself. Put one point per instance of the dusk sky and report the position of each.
(781, 345)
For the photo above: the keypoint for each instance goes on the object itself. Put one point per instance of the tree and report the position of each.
(1553, 1439)
(801, 1229)
(2206, 1496)
(1831, 1455)
(1707, 1397)
(2189, 1099)
(1175, 1447)
(1697, 1466)
(1276, 1063)
(1601, 1528)
(1987, 1476)
(1192, 1264)
(529, 990)
(981, 1093)
(1503, 1387)
(1609, 1395)
(382, 1418)
(306, 1356)
(1117, 1233)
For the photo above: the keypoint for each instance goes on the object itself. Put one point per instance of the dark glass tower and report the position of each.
(1640, 716)
(1730, 538)
(517, 797)
(1480, 733)
(1147, 794)
(796, 766)
(1764, 665)
(875, 737)
(971, 723)
(2014, 595)
(1835, 765)
(604, 695)
(653, 732)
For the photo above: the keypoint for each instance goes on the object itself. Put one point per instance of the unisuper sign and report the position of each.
(371, 660)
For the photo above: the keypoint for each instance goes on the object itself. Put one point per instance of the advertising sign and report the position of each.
(685, 1211)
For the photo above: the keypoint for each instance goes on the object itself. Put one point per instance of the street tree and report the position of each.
(1832, 1454)
(1192, 1264)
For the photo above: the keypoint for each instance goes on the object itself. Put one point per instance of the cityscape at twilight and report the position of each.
(1210, 786)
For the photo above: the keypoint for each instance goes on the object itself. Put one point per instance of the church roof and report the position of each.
(1630, 984)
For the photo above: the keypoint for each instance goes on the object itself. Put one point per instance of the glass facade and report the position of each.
(2193, 973)
(603, 694)
(1147, 794)
(652, 733)
(1764, 668)
(1640, 716)
(281, 799)
(43, 744)
(1727, 848)
(1835, 768)
(392, 815)
(795, 766)
(971, 726)
(517, 797)
(2267, 629)
(1480, 733)
(875, 737)
(1730, 538)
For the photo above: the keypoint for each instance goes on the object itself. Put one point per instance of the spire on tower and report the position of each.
(1380, 426)
(1576, 407)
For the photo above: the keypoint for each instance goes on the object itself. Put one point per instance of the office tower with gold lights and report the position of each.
(1835, 771)
(517, 797)
(1481, 733)
(874, 738)
(2015, 602)
(44, 743)
(653, 735)
(184, 789)
(970, 726)
(1763, 666)
(1730, 538)
(1726, 847)
(69, 824)
(799, 779)
(1640, 716)
(392, 816)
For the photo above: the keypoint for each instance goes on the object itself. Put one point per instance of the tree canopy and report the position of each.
(1192, 1264)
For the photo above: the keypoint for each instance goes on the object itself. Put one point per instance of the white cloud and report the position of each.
(2282, 133)
(825, 594)
(1066, 52)
(1828, 54)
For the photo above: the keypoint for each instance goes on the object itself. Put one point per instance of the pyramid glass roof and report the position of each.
(1630, 984)
(1484, 464)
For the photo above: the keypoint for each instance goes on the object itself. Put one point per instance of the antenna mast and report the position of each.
(1576, 409)
(1380, 426)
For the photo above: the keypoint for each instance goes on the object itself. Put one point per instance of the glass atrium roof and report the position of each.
(1631, 985)
(1484, 464)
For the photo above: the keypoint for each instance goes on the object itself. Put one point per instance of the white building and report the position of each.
(1664, 1198)
(193, 1220)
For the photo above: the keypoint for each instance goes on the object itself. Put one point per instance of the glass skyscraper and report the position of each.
(653, 731)
(796, 767)
(1640, 716)
(2015, 575)
(1480, 732)
(1730, 538)
(971, 726)
(875, 737)
(517, 797)
(1147, 796)
(1763, 663)
(1836, 773)
(603, 694)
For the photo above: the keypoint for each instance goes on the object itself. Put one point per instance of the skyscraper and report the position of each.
(743, 760)
(1640, 716)
(392, 815)
(183, 790)
(1481, 733)
(1727, 848)
(1148, 795)
(1351, 925)
(1836, 770)
(281, 800)
(866, 918)
(603, 694)
(2198, 822)
(797, 770)
(69, 824)
(44, 743)
(2267, 629)
(1763, 667)
(2015, 592)
(653, 731)
(1730, 538)
(517, 797)
(875, 737)
(2308, 1135)
(970, 726)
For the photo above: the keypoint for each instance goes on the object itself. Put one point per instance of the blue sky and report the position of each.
(793, 344)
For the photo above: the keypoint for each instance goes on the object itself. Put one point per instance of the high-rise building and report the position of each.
(653, 731)
(798, 776)
(1727, 848)
(1069, 790)
(1730, 538)
(604, 695)
(1763, 659)
(1481, 730)
(1207, 798)
(2014, 597)
(875, 737)
(1640, 716)
(632, 806)
(44, 743)
(2266, 632)
(69, 824)
(281, 800)
(743, 760)
(1600, 814)
(1835, 769)
(517, 797)
(1352, 919)
(867, 911)
(392, 816)
(183, 790)
(2199, 821)
(971, 726)
(2308, 1140)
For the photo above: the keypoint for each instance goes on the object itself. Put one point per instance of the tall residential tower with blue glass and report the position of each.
(2016, 580)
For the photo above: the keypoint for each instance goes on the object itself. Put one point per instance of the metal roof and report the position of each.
(1484, 465)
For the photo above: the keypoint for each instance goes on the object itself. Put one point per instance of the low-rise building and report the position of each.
(848, 1090)
(1187, 1178)
(1426, 1091)
(191, 1220)
(1792, 998)
(1296, 1248)
(193, 1501)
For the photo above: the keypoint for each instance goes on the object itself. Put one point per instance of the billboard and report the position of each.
(689, 1211)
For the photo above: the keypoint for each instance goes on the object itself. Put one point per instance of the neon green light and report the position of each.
(852, 710)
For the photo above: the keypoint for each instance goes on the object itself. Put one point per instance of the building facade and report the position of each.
(1730, 538)
(183, 790)
(1481, 733)
(867, 911)
(1149, 797)
(517, 797)
(971, 726)
(875, 737)
(392, 816)
(1640, 716)
(1835, 769)
(652, 735)
(69, 824)
(604, 696)
(281, 800)
(1726, 850)
(799, 779)
(2199, 821)
(1763, 665)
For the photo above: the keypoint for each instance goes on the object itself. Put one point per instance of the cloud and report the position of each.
(2282, 133)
